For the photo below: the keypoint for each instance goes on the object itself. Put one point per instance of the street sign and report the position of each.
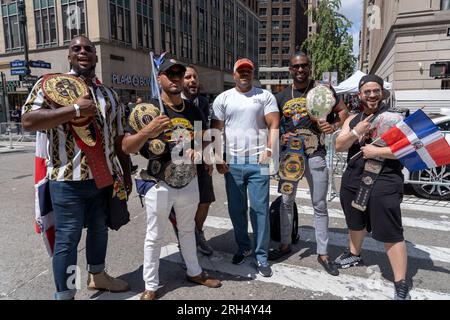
(17, 64)
(30, 78)
(19, 72)
(40, 64)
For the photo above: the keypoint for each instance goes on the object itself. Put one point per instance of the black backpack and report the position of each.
(274, 216)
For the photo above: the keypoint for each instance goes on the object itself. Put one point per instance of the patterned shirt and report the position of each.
(65, 161)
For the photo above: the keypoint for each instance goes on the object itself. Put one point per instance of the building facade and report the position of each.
(283, 29)
(401, 39)
(210, 34)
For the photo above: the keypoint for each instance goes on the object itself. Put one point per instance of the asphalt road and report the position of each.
(26, 271)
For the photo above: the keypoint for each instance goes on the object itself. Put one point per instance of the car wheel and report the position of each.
(429, 191)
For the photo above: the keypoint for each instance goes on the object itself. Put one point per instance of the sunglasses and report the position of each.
(77, 49)
(368, 93)
(300, 65)
(173, 74)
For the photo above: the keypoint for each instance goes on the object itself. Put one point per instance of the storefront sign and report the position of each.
(131, 80)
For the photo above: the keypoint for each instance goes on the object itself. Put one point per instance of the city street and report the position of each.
(26, 269)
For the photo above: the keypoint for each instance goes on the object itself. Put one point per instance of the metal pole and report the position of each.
(3, 102)
(23, 29)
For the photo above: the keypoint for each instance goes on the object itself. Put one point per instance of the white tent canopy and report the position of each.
(351, 84)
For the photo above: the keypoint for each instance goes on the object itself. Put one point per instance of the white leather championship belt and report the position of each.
(160, 166)
(292, 166)
(320, 102)
(63, 90)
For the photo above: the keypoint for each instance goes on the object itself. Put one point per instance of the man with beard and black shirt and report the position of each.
(382, 216)
(76, 200)
(295, 121)
(169, 183)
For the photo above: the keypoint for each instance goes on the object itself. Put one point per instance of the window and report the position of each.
(285, 37)
(185, 7)
(168, 42)
(262, 50)
(215, 34)
(275, 25)
(202, 29)
(285, 63)
(11, 27)
(445, 85)
(262, 38)
(263, 63)
(120, 20)
(285, 50)
(275, 11)
(263, 24)
(275, 37)
(275, 62)
(286, 11)
(262, 12)
(145, 24)
(45, 21)
(74, 19)
(275, 50)
(286, 24)
(228, 21)
(445, 4)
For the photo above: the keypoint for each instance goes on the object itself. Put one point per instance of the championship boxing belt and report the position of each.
(292, 166)
(320, 102)
(64, 90)
(372, 168)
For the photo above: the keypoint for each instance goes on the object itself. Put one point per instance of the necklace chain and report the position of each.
(177, 110)
(303, 94)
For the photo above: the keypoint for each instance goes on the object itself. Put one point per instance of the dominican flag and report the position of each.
(417, 143)
(45, 222)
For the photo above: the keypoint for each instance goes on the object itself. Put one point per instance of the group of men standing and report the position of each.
(186, 189)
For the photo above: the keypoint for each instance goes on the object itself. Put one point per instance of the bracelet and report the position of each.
(77, 110)
(270, 150)
(355, 133)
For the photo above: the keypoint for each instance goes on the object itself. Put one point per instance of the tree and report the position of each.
(331, 47)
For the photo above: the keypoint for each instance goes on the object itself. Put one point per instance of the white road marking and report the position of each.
(341, 239)
(343, 286)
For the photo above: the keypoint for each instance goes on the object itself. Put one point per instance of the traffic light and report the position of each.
(440, 69)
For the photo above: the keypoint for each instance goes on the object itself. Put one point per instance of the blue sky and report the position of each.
(352, 9)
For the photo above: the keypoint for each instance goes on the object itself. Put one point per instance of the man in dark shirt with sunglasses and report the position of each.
(295, 120)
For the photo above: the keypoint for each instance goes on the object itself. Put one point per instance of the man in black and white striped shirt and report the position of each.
(76, 200)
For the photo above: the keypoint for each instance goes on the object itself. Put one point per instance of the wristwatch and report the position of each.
(77, 110)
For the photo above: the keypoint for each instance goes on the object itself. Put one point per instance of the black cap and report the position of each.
(371, 78)
(169, 63)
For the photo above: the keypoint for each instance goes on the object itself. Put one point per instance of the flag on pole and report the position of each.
(417, 143)
(45, 221)
(154, 86)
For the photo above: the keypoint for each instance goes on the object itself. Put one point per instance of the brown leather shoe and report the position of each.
(148, 295)
(205, 280)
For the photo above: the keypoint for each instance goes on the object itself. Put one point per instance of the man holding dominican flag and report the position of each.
(372, 184)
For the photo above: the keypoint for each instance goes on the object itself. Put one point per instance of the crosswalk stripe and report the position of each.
(304, 194)
(341, 240)
(344, 286)
(406, 221)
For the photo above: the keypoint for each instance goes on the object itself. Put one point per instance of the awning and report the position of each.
(350, 85)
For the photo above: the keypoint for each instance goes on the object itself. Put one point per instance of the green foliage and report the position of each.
(331, 47)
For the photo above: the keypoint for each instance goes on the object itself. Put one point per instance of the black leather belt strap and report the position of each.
(372, 169)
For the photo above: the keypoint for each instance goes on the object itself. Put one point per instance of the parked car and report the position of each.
(439, 174)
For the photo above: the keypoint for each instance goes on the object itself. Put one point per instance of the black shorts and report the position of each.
(382, 216)
(205, 185)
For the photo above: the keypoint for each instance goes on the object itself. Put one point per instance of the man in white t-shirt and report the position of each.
(251, 120)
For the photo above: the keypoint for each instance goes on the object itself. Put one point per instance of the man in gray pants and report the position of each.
(295, 121)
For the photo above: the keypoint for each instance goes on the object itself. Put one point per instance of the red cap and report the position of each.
(243, 63)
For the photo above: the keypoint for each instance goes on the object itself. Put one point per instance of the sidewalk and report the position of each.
(5, 146)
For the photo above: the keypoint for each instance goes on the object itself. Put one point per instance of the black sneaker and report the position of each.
(329, 266)
(264, 269)
(347, 260)
(239, 258)
(401, 290)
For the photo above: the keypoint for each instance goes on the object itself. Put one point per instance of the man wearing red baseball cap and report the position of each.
(251, 120)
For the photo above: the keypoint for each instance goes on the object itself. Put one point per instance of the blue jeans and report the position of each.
(240, 178)
(77, 204)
